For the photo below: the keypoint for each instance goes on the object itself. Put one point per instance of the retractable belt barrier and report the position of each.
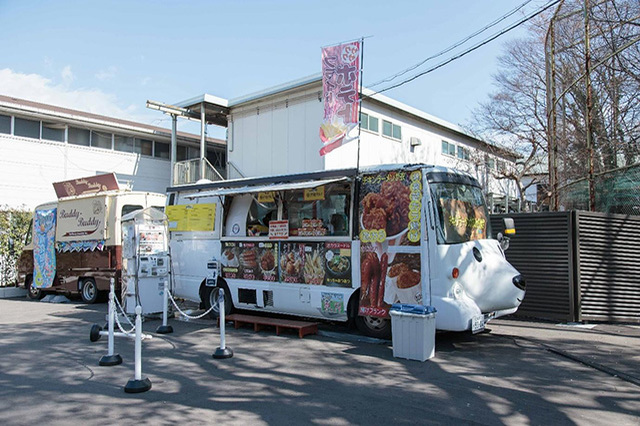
(138, 384)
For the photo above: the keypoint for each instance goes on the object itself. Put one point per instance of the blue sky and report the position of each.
(109, 57)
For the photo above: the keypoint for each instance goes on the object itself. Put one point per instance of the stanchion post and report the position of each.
(222, 352)
(110, 358)
(138, 384)
(164, 328)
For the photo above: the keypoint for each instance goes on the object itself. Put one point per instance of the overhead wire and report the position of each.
(469, 50)
(453, 46)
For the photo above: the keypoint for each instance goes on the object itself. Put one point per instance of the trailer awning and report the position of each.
(267, 188)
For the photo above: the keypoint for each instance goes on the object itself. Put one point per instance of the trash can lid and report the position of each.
(413, 309)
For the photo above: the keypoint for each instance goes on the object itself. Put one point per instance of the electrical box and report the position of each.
(145, 260)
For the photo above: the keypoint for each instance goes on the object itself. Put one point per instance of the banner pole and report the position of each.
(360, 104)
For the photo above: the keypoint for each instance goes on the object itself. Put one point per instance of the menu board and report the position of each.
(302, 263)
(288, 262)
(250, 260)
(338, 264)
(192, 217)
(390, 229)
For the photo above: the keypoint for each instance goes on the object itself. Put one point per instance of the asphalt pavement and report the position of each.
(522, 372)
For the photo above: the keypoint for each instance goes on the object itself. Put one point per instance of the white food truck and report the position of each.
(344, 245)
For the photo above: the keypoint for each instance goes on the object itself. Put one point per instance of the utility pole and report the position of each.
(589, 112)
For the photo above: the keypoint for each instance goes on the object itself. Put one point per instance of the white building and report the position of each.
(277, 132)
(41, 144)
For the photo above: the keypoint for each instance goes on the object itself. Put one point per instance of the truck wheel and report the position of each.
(374, 326)
(211, 299)
(89, 291)
(33, 293)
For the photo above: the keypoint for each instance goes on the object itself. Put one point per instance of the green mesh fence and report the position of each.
(617, 191)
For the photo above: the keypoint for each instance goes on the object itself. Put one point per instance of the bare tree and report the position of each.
(516, 114)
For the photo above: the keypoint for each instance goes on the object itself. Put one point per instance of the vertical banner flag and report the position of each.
(44, 253)
(340, 79)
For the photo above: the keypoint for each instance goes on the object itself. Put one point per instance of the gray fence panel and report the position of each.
(608, 248)
(542, 251)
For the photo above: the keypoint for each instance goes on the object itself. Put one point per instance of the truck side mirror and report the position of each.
(509, 226)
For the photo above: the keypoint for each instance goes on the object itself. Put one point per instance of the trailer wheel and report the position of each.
(211, 299)
(374, 326)
(33, 293)
(89, 291)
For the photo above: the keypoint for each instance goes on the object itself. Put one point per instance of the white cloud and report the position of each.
(67, 74)
(145, 81)
(107, 74)
(37, 88)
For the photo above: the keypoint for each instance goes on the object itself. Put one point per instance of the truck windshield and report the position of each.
(462, 212)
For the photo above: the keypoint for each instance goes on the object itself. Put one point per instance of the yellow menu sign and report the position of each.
(314, 194)
(267, 197)
(192, 217)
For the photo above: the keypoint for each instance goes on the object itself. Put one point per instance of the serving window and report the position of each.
(263, 208)
(320, 211)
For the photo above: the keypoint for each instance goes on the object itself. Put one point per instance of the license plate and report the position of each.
(477, 324)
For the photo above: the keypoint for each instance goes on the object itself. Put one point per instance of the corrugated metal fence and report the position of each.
(578, 265)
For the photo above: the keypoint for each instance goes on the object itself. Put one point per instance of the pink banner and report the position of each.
(340, 80)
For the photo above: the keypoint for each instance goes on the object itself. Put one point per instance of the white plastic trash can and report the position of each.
(413, 328)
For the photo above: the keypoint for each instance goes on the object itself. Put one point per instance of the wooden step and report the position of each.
(303, 327)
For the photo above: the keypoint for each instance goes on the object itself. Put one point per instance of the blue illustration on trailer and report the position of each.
(44, 253)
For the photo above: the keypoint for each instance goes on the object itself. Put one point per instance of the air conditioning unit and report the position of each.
(413, 141)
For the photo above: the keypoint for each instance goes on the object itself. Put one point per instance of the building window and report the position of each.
(79, 136)
(100, 140)
(162, 150)
(53, 132)
(387, 128)
(391, 130)
(501, 166)
(26, 128)
(144, 147)
(368, 122)
(124, 143)
(448, 149)
(5, 124)
(463, 153)
(181, 153)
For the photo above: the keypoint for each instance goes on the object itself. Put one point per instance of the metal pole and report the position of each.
(174, 146)
(360, 102)
(164, 328)
(203, 141)
(110, 358)
(138, 384)
(138, 345)
(222, 352)
(112, 314)
(222, 319)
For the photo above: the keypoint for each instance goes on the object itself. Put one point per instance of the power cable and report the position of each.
(471, 49)
(453, 46)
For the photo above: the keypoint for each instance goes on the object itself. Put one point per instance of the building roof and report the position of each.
(213, 102)
(17, 106)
